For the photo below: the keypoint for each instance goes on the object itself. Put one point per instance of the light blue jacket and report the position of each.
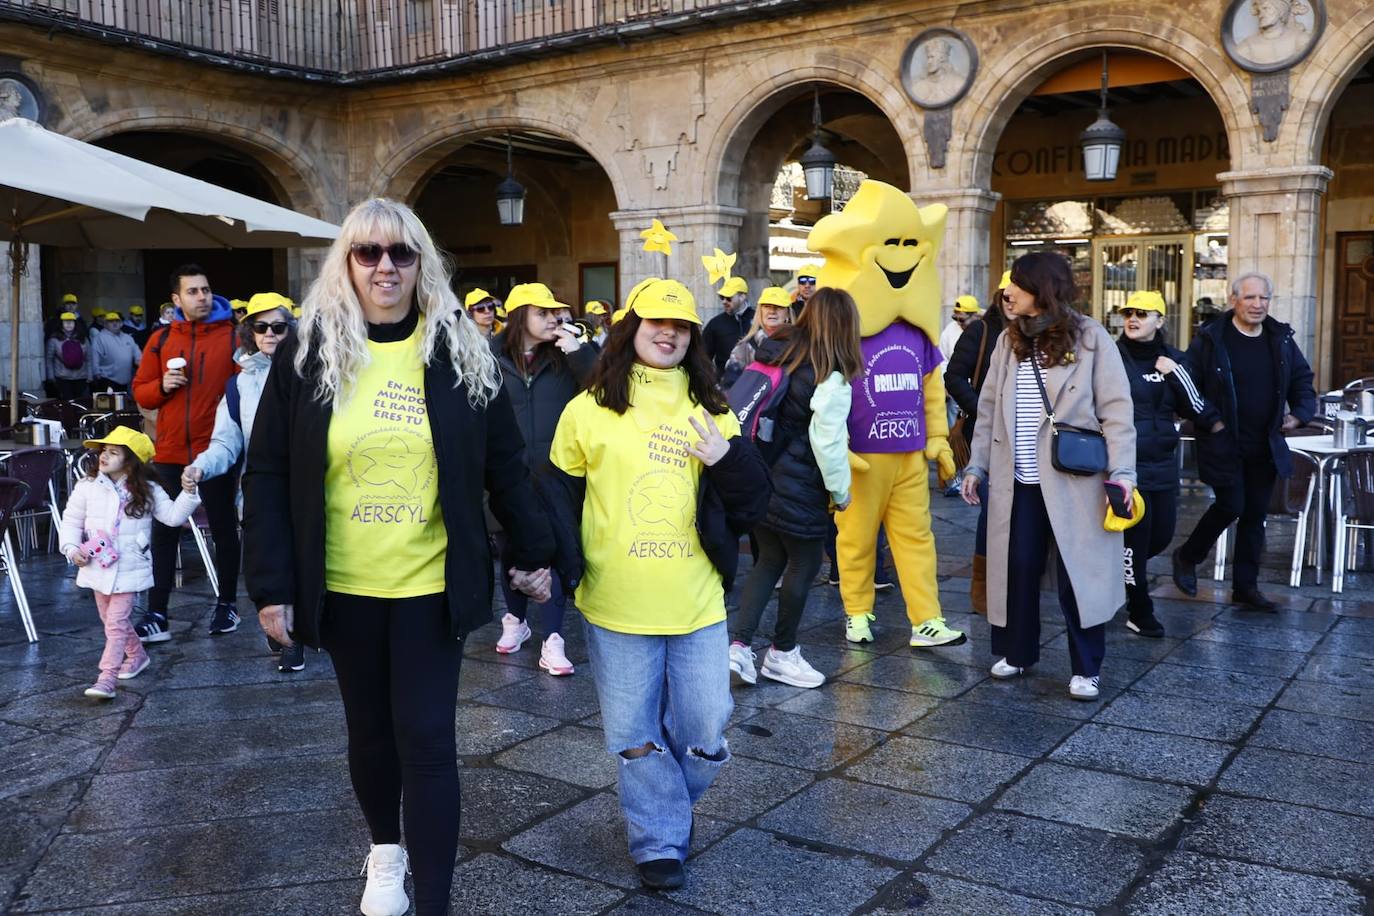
(114, 356)
(229, 440)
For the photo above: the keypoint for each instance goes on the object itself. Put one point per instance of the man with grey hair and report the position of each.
(1245, 351)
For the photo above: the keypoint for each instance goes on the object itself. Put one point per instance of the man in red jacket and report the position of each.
(182, 376)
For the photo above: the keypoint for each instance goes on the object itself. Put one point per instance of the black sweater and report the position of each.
(959, 372)
(1158, 398)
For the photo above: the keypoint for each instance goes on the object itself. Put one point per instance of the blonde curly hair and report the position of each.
(333, 330)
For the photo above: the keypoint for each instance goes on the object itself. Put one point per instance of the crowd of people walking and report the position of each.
(401, 453)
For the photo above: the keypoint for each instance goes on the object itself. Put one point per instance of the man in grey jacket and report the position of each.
(114, 355)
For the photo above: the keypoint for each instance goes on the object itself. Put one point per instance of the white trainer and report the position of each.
(742, 663)
(1083, 688)
(1002, 670)
(385, 895)
(514, 633)
(790, 668)
(553, 659)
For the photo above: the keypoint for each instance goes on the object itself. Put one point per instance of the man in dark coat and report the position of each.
(726, 329)
(1245, 350)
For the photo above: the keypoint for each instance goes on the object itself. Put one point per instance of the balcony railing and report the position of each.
(354, 40)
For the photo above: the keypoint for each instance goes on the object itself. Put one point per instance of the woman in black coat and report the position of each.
(1161, 388)
(379, 428)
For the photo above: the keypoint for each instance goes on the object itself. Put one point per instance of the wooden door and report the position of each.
(1353, 340)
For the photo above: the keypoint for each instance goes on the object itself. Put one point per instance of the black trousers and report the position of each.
(397, 668)
(1019, 641)
(1247, 502)
(217, 497)
(781, 556)
(1148, 539)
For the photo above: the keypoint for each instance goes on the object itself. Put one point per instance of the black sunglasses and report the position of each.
(1135, 313)
(483, 308)
(369, 254)
(276, 327)
(808, 281)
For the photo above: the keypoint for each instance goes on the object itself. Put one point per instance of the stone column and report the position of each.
(1276, 230)
(700, 229)
(31, 342)
(965, 256)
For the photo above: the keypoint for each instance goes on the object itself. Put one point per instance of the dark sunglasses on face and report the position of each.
(482, 308)
(369, 254)
(807, 281)
(276, 327)
(1135, 313)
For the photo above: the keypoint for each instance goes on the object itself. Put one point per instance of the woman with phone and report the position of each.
(1052, 368)
(546, 360)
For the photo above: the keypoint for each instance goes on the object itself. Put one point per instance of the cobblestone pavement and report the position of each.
(1228, 768)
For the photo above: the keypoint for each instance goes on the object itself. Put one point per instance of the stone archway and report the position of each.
(1351, 46)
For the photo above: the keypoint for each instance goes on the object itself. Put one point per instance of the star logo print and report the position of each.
(391, 463)
(665, 501)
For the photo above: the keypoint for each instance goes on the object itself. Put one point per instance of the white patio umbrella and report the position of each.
(55, 190)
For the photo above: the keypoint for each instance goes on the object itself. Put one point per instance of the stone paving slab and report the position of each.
(517, 884)
(1321, 782)
(1350, 701)
(855, 704)
(1202, 886)
(993, 728)
(797, 741)
(1208, 684)
(937, 895)
(1102, 801)
(1196, 718)
(573, 754)
(935, 768)
(1286, 836)
(1230, 657)
(1310, 733)
(1150, 755)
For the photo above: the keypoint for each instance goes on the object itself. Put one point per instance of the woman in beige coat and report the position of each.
(1053, 518)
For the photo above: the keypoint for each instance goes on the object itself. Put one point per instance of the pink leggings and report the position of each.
(120, 639)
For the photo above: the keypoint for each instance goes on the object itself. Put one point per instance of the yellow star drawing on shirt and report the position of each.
(665, 501)
(391, 463)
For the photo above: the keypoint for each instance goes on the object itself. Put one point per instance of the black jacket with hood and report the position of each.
(1158, 398)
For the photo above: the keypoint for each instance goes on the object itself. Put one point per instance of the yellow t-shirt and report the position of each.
(646, 570)
(384, 534)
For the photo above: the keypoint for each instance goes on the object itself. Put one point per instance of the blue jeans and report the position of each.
(671, 696)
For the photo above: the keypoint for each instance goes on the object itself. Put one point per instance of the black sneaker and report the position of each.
(1185, 575)
(225, 620)
(292, 658)
(661, 874)
(1145, 624)
(153, 628)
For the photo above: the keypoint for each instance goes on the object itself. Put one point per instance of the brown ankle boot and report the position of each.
(978, 585)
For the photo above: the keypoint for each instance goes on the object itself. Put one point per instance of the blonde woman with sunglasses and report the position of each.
(383, 422)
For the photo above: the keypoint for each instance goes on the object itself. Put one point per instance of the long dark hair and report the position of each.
(1048, 277)
(516, 337)
(135, 481)
(611, 383)
(827, 334)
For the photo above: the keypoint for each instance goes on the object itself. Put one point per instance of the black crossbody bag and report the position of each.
(1082, 452)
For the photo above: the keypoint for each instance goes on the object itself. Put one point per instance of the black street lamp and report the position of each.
(818, 164)
(510, 194)
(1102, 140)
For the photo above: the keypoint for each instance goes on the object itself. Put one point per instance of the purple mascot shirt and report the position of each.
(888, 413)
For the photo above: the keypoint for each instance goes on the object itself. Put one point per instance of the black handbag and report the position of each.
(1082, 452)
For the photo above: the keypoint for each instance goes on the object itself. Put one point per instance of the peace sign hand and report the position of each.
(712, 446)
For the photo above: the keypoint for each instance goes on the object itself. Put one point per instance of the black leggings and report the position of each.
(796, 561)
(397, 668)
(1145, 540)
(217, 495)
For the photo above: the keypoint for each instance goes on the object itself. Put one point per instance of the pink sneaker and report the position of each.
(514, 633)
(133, 667)
(552, 658)
(102, 689)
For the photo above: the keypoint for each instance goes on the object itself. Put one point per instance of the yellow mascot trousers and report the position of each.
(894, 491)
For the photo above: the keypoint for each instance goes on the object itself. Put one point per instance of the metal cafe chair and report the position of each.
(1354, 514)
(13, 493)
(39, 468)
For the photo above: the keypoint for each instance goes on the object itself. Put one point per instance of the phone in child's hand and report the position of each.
(1120, 502)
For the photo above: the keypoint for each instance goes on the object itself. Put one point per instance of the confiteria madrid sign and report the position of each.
(1067, 158)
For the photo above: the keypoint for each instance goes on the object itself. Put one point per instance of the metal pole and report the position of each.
(18, 255)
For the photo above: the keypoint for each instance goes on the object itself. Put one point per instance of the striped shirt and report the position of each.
(1030, 411)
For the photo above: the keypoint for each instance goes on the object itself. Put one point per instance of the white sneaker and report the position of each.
(1002, 670)
(742, 663)
(1083, 688)
(514, 633)
(553, 659)
(790, 668)
(385, 895)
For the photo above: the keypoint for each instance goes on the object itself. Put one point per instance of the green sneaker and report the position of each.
(857, 629)
(934, 633)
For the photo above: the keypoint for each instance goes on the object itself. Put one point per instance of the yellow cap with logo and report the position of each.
(1147, 300)
(775, 295)
(476, 297)
(265, 302)
(535, 294)
(666, 300)
(135, 441)
(594, 307)
(733, 286)
(966, 305)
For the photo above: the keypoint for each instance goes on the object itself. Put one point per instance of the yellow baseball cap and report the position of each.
(67, 316)
(69, 299)
(966, 305)
(775, 295)
(135, 441)
(1114, 522)
(594, 307)
(1147, 300)
(535, 294)
(476, 297)
(295, 311)
(810, 269)
(666, 299)
(1005, 281)
(265, 302)
(109, 316)
(135, 309)
(238, 305)
(733, 287)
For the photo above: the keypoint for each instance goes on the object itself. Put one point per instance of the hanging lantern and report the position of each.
(1102, 140)
(510, 194)
(818, 163)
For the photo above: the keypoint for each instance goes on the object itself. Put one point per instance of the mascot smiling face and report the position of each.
(882, 250)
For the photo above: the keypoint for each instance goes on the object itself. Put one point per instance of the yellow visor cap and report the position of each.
(475, 297)
(966, 305)
(666, 300)
(733, 287)
(593, 307)
(135, 441)
(775, 295)
(535, 294)
(1147, 300)
(265, 302)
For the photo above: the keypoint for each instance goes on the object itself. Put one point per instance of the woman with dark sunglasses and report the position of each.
(481, 308)
(384, 420)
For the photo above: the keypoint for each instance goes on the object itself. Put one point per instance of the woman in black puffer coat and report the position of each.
(1161, 389)
(810, 473)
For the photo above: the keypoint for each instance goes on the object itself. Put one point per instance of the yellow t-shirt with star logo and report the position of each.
(384, 535)
(646, 571)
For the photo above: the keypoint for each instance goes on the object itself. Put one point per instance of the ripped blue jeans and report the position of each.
(664, 704)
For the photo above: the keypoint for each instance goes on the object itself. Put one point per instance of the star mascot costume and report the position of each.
(882, 249)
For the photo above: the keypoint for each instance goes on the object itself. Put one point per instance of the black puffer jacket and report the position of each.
(538, 401)
(1158, 399)
(722, 333)
(800, 505)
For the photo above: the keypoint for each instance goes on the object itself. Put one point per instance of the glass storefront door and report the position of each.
(1160, 262)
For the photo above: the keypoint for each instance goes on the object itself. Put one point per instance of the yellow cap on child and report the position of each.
(132, 439)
